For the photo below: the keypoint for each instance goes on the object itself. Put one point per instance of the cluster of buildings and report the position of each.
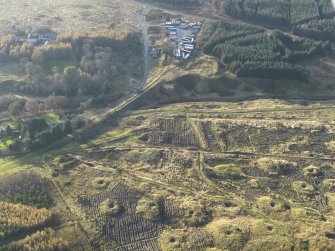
(183, 34)
(37, 39)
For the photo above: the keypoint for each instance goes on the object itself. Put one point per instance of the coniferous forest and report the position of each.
(278, 12)
(249, 51)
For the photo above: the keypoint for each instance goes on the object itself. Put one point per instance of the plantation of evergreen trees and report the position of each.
(278, 12)
(251, 52)
(319, 29)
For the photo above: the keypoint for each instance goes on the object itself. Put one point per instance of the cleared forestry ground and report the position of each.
(104, 154)
(116, 151)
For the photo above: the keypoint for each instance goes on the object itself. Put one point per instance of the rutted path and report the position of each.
(240, 154)
(145, 55)
(146, 48)
(136, 91)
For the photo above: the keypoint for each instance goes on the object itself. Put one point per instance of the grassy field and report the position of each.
(51, 117)
(11, 71)
(8, 122)
(9, 164)
(73, 15)
(49, 66)
(4, 144)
